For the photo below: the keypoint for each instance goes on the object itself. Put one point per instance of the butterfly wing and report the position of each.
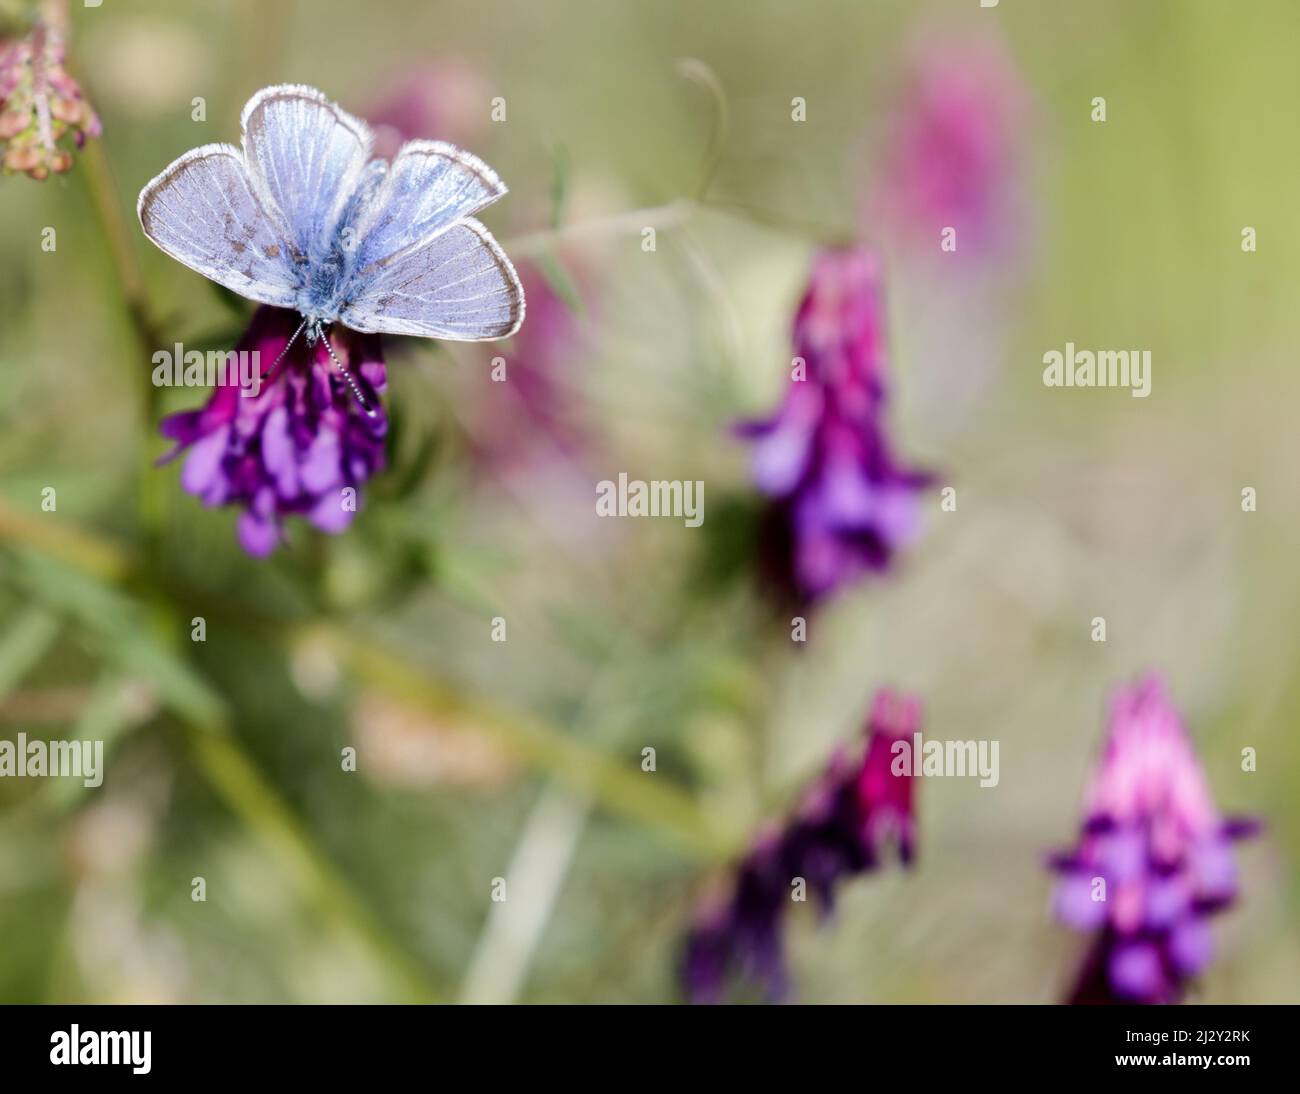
(429, 187)
(306, 156)
(204, 212)
(424, 265)
(257, 223)
(459, 285)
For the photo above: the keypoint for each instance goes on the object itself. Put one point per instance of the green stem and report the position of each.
(62, 541)
(24, 644)
(106, 199)
(623, 789)
(825, 235)
(222, 760)
(108, 211)
(695, 70)
(244, 790)
(657, 216)
(673, 215)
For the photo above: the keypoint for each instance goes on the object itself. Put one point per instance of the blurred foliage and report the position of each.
(225, 756)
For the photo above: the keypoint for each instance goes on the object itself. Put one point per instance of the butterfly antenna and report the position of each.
(351, 382)
(289, 343)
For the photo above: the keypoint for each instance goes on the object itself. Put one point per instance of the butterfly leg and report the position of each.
(347, 376)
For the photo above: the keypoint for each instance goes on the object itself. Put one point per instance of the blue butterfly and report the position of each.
(303, 218)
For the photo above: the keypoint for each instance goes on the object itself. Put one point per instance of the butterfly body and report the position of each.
(302, 217)
(325, 281)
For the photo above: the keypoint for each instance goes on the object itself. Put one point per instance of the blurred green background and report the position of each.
(521, 759)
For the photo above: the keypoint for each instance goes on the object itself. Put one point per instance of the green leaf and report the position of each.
(24, 644)
(105, 717)
(129, 640)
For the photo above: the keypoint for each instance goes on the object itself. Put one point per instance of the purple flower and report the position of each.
(520, 422)
(40, 105)
(843, 827)
(841, 504)
(301, 445)
(1153, 862)
(950, 158)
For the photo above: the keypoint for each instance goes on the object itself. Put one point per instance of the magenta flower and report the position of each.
(301, 446)
(40, 106)
(950, 159)
(841, 504)
(447, 100)
(842, 828)
(530, 415)
(1154, 860)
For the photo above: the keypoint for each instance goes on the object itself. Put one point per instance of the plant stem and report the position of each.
(108, 209)
(244, 790)
(652, 800)
(673, 215)
(498, 969)
(63, 541)
(647, 798)
(825, 235)
(656, 216)
(222, 760)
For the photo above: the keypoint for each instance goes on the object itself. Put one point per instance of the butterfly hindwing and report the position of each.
(458, 285)
(203, 211)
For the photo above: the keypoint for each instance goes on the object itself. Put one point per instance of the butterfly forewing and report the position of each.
(306, 156)
(429, 187)
(459, 285)
(203, 211)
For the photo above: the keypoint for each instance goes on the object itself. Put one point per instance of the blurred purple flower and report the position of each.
(1154, 859)
(530, 414)
(842, 828)
(446, 100)
(950, 158)
(840, 503)
(295, 447)
(40, 105)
